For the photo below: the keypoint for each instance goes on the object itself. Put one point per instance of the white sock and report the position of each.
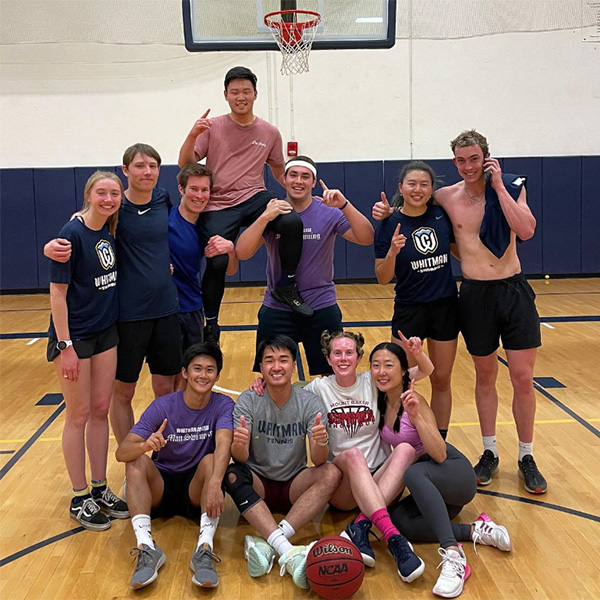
(525, 449)
(287, 529)
(141, 527)
(208, 526)
(489, 443)
(279, 542)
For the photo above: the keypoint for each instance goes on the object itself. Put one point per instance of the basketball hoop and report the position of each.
(294, 32)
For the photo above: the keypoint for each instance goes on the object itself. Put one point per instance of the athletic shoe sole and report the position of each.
(202, 584)
(536, 491)
(91, 526)
(415, 574)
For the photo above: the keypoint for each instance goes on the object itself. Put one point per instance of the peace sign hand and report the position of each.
(156, 441)
(333, 197)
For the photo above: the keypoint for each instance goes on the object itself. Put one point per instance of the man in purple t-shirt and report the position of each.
(236, 147)
(189, 433)
(322, 219)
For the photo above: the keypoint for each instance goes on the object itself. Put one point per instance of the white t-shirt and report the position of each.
(352, 417)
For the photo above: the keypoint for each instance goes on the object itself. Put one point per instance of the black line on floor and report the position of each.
(563, 509)
(21, 451)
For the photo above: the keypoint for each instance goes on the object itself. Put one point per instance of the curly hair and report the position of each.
(327, 339)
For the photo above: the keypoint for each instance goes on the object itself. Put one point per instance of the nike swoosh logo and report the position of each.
(141, 212)
(439, 217)
(244, 502)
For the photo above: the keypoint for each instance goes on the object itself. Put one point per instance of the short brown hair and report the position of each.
(140, 148)
(194, 170)
(470, 137)
(328, 338)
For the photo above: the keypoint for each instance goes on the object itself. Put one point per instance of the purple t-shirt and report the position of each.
(315, 269)
(190, 433)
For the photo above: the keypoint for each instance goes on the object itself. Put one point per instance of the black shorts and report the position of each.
(501, 308)
(88, 347)
(227, 222)
(277, 493)
(176, 497)
(436, 320)
(156, 340)
(301, 330)
(191, 325)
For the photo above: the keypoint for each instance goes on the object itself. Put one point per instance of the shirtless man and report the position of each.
(495, 299)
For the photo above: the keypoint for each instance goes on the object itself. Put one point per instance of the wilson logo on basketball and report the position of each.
(331, 548)
(336, 569)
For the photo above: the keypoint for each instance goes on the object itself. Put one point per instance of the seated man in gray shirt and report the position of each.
(270, 473)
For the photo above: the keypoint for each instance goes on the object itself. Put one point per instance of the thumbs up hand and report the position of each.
(319, 432)
(381, 210)
(241, 434)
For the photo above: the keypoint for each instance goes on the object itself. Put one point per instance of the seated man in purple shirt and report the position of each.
(190, 434)
(323, 220)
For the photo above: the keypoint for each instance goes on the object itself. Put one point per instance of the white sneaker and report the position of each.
(455, 571)
(294, 562)
(487, 533)
(259, 554)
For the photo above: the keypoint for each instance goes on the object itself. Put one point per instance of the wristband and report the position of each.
(344, 205)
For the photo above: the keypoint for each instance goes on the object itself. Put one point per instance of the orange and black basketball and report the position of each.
(334, 568)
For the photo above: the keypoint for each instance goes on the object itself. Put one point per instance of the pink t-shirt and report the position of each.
(237, 154)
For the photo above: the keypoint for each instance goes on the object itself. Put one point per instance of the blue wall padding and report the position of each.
(563, 193)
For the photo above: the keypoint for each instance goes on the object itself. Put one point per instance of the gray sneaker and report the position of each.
(202, 563)
(149, 561)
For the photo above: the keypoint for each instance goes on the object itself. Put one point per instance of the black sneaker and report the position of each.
(532, 478)
(212, 333)
(486, 468)
(410, 566)
(290, 296)
(89, 515)
(358, 534)
(111, 504)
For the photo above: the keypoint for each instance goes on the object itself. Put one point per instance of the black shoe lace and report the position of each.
(529, 468)
(486, 460)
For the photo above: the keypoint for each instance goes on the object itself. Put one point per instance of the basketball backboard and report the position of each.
(235, 25)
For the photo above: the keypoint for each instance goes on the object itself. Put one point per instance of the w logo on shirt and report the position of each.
(106, 254)
(425, 240)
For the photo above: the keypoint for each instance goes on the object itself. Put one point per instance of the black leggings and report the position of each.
(438, 492)
(227, 223)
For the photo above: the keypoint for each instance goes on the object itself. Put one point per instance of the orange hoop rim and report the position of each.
(272, 24)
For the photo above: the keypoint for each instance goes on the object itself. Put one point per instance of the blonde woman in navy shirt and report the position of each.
(82, 343)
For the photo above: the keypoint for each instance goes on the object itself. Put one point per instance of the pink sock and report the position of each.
(381, 519)
(361, 517)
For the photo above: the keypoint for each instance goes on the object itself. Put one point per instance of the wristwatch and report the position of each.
(64, 344)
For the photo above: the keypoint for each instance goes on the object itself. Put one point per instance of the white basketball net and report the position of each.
(294, 38)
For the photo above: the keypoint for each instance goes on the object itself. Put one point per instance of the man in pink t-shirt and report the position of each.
(236, 147)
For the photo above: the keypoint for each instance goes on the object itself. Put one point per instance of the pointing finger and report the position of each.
(162, 427)
(325, 188)
(205, 114)
(402, 337)
(397, 231)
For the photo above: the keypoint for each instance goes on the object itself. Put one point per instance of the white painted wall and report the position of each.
(532, 94)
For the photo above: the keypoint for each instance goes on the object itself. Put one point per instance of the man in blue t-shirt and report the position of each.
(189, 433)
(148, 323)
(187, 252)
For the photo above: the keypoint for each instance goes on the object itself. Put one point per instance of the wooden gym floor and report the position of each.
(556, 537)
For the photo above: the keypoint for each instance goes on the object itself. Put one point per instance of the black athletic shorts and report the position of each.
(176, 498)
(301, 330)
(502, 308)
(156, 340)
(436, 320)
(191, 325)
(88, 347)
(227, 222)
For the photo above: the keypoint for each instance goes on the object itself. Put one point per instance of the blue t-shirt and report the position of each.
(190, 433)
(91, 274)
(423, 270)
(187, 258)
(146, 288)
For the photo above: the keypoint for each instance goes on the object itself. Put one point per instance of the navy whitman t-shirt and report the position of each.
(91, 274)
(146, 288)
(423, 270)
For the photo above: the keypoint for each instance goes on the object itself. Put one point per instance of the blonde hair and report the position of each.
(470, 138)
(328, 338)
(89, 186)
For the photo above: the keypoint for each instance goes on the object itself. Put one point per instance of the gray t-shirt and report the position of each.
(278, 435)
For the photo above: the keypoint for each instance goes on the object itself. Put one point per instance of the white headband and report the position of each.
(301, 163)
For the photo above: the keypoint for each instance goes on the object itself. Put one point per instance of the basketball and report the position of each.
(334, 568)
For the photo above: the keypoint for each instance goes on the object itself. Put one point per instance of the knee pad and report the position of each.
(241, 491)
